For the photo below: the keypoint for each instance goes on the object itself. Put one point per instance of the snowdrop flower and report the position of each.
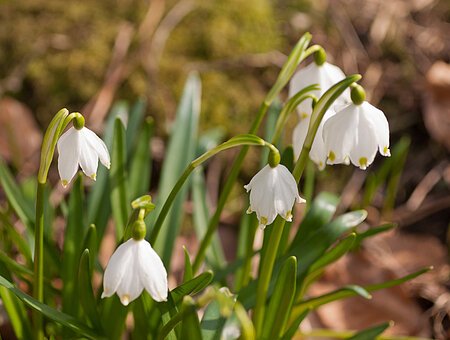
(80, 146)
(356, 132)
(273, 190)
(318, 154)
(319, 72)
(133, 267)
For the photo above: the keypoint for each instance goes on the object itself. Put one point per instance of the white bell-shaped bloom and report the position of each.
(325, 75)
(355, 133)
(133, 267)
(80, 147)
(272, 191)
(318, 154)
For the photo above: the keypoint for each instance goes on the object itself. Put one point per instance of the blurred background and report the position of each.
(88, 55)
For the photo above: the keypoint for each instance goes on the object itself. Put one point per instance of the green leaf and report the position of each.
(180, 152)
(214, 254)
(372, 232)
(140, 167)
(370, 333)
(53, 314)
(73, 240)
(15, 310)
(349, 291)
(190, 327)
(16, 238)
(212, 322)
(192, 287)
(99, 208)
(119, 196)
(188, 275)
(293, 328)
(134, 122)
(310, 249)
(278, 312)
(90, 243)
(247, 231)
(320, 213)
(334, 254)
(86, 293)
(20, 205)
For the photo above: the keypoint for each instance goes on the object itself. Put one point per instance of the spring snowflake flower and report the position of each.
(355, 133)
(80, 147)
(318, 154)
(273, 191)
(133, 267)
(326, 75)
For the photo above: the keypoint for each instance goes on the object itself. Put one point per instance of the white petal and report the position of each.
(299, 135)
(318, 153)
(381, 125)
(339, 134)
(152, 274)
(117, 268)
(96, 143)
(88, 159)
(365, 148)
(130, 286)
(68, 155)
(304, 77)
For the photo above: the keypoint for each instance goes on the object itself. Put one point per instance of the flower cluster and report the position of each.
(350, 131)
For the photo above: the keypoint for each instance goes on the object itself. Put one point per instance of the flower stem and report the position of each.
(38, 278)
(214, 221)
(239, 140)
(266, 269)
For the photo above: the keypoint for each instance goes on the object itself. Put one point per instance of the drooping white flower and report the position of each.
(80, 148)
(355, 133)
(325, 75)
(273, 191)
(133, 267)
(318, 154)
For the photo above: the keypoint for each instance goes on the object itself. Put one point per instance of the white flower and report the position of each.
(355, 133)
(318, 154)
(80, 147)
(133, 267)
(326, 75)
(273, 191)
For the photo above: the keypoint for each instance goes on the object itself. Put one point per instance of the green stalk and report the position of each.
(267, 262)
(240, 140)
(52, 134)
(214, 221)
(266, 269)
(298, 54)
(38, 278)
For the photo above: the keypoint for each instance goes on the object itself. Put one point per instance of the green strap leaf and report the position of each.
(53, 314)
(214, 254)
(321, 211)
(73, 240)
(86, 293)
(190, 328)
(370, 333)
(140, 167)
(349, 291)
(188, 275)
(192, 287)
(277, 314)
(180, 151)
(20, 205)
(119, 196)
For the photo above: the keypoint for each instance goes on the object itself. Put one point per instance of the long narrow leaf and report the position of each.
(180, 152)
(119, 196)
(53, 314)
